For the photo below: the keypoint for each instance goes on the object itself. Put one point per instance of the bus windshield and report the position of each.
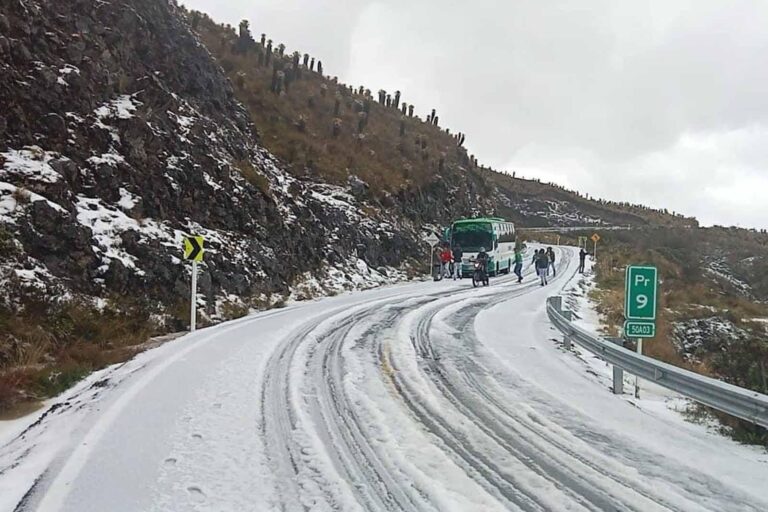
(473, 237)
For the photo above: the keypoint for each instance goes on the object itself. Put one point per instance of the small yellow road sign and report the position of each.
(595, 238)
(193, 248)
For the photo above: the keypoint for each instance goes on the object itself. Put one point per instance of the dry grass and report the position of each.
(21, 195)
(254, 177)
(47, 345)
(297, 125)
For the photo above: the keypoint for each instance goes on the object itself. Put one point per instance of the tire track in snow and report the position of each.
(504, 429)
(333, 418)
(598, 484)
(516, 459)
(335, 422)
(503, 483)
(353, 456)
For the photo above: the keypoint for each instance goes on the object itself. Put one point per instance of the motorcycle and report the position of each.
(479, 274)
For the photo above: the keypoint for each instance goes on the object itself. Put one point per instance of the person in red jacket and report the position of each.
(446, 257)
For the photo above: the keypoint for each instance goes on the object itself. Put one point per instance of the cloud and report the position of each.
(660, 103)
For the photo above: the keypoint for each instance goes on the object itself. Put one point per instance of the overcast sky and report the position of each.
(663, 103)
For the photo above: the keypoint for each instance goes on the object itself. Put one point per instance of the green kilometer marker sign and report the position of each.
(640, 293)
(640, 302)
(635, 329)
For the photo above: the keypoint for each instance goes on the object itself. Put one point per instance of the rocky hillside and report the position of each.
(120, 134)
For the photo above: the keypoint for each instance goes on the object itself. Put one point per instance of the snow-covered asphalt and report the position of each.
(419, 397)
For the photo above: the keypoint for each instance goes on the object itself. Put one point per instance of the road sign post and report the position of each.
(193, 251)
(595, 239)
(640, 298)
(432, 240)
(193, 299)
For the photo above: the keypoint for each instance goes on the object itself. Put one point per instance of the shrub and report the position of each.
(254, 177)
(8, 245)
(21, 195)
(49, 344)
(232, 310)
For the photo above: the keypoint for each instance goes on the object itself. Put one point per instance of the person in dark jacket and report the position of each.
(542, 265)
(582, 258)
(483, 258)
(551, 256)
(457, 255)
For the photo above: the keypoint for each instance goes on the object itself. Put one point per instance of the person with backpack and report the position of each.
(457, 255)
(551, 256)
(519, 264)
(542, 265)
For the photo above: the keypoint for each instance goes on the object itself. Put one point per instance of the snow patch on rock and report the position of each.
(31, 163)
(122, 107)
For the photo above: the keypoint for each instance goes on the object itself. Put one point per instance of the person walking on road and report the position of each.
(446, 256)
(551, 256)
(457, 255)
(542, 265)
(582, 258)
(519, 264)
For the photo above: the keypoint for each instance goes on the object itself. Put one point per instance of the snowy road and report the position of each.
(423, 397)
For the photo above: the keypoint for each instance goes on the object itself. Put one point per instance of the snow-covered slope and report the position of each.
(431, 396)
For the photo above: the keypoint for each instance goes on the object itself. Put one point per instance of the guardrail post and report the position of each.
(557, 303)
(637, 378)
(618, 373)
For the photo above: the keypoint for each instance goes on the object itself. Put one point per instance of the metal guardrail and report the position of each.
(594, 227)
(742, 403)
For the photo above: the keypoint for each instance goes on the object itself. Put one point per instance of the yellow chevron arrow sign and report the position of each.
(193, 248)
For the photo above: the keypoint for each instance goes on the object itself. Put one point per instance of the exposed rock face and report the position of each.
(119, 134)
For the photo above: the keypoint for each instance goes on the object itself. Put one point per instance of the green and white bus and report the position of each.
(495, 235)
